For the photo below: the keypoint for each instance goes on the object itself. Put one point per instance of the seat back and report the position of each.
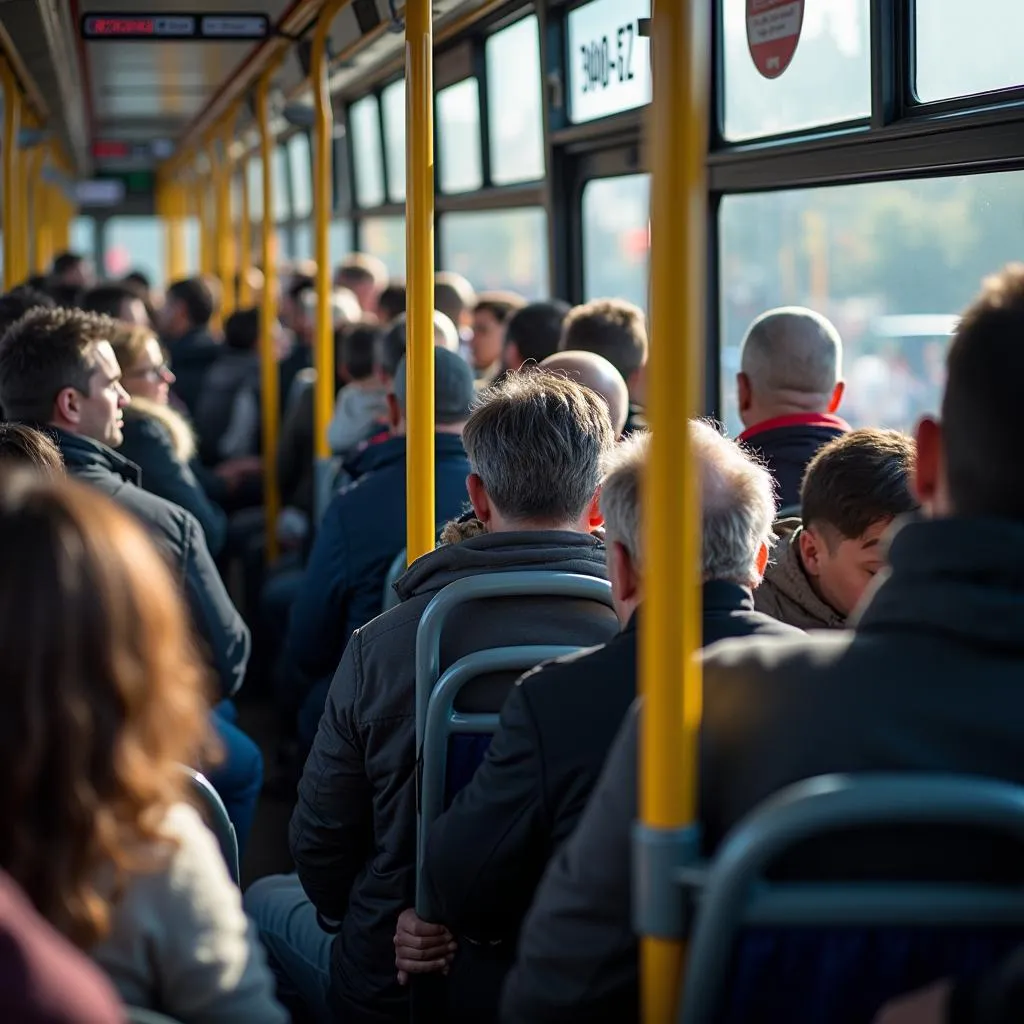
(216, 816)
(738, 894)
(397, 568)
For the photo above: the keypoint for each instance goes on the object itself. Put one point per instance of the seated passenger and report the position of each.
(363, 530)
(490, 314)
(361, 409)
(391, 303)
(853, 489)
(789, 387)
(98, 717)
(617, 330)
(454, 296)
(155, 437)
(536, 443)
(17, 302)
(532, 332)
(72, 270)
(365, 276)
(185, 332)
(118, 301)
(595, 372)
(935, 655)
(485, 856)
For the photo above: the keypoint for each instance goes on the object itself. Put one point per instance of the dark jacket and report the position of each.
(191, 356)
(233, 378)
(787, 444)
(929, 681)
(362, 531)
(997, 997)
(295, 448)
(148, 444)
(353, 833)
(178, 533)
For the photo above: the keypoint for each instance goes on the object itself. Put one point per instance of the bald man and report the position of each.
(598, 374)
(789, 387)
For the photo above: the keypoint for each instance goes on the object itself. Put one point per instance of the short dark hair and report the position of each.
(361, 268)
(242, 330)
(17, 302)
(300, 283)
(453, 295)
(108, 298)
(137, 279)
(69, 296)
(859, 479)
(501, 305)
(389, 348)
(65, 261)
(357, 347)
(196, 295)
(391, 302)
(536, 328)
(42, 353)
(25, 446)
(612, 328)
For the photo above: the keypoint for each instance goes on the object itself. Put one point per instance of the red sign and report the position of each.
(773, 30)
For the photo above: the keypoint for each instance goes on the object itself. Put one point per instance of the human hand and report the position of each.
(421, 947)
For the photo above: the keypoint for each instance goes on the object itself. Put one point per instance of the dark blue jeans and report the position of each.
(239, 777)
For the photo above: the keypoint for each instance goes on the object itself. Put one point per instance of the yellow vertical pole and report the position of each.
(175, 232)
(11, 185)
(270, 399)
(24, 207)
(244, 239)
(224, 219)
(61, 212)
(671, 626)
(323, 348)
(419, 255)
(204, 212)
(36, 201)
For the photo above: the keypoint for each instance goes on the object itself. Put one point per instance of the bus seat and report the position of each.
(396, 570)
(764, 949)
(216, 817)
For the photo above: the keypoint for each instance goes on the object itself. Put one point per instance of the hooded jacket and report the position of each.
(353, 833)
(360, 411)
(786, 593)
(191, 356)
(227, 416)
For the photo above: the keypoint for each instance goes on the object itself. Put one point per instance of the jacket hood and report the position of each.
(183, 441)
(358, 408)
(960, 577)
(787, 577)
(85, 453)
(551, 550)
(386, 453)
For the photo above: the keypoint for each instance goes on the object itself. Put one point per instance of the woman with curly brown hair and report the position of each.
(104, 697)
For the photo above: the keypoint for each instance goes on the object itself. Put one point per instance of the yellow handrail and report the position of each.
(11, 185)
(419, 258)
(42, 234)
(176, 213)
(244, 240)
(270, 400)
(224, 220)
(204, 211)
(671, 623)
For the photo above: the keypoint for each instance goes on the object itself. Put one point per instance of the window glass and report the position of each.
(891, 264)
(255, 172)
(962, 48)
(301, 165)
(828, 81)
(280, 176)
(393, 101)
(134, 243)
(82, 236)
(616, 238)
(458, 136)
(609, 62)
(302, 249)
(364, 123)
(191, 246)
(339, 240)
(498, 249)
(384, 237)
(515, 119)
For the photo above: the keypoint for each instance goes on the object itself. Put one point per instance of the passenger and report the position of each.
(361, 408)
(490, 315)
(72, 270)
(155, 437)
(617, 330)
(185, 333)
(66, 296)
(485, 856)
(595, 372)
(533, 332)
(17, 302)
(853, 489)
(789, 387)
(391, 304)
(535, 444)
(117, 301)
(26, 446)
(935, 655)
(454, 296)
(33, 956)
(365, 276)
(98, 717)
(363, 530)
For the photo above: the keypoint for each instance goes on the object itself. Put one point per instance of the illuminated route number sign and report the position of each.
(168, 27)
(609, 61)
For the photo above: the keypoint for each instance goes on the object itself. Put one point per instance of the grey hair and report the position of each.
(538, 443)
(737, 503)
(793, 350)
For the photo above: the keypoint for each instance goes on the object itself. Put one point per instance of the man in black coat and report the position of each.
(928, 681)
(485, 856)
(185, 333)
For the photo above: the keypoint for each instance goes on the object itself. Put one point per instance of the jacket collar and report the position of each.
(85, 453)
(801, 419)
(726, 596)
(376, 455)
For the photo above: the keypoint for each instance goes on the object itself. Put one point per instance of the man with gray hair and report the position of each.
(789, 387)
(536, 444)
(486, 855)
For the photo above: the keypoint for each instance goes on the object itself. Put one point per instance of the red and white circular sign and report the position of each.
(773, 30)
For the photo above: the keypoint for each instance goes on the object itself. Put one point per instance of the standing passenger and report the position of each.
(185, 332)
(490, 315)
(365, 276)
(533, 332)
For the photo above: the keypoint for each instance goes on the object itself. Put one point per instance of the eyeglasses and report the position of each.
(154, 374)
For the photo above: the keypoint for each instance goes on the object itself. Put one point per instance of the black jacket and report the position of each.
(929, 681)
(788, 443)
(233, 376)
(178, 533)
(354, 828)
(191, 356)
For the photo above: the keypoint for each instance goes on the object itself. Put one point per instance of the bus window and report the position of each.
(255, 172)
(616, 237)
(301, 167)
(280, 175)
(191, 246)
(458, 136)
(829, 80)
(82, 237)
(339, 240)
(393, 107)
(515, 120)
(303, 244)
(384, 237)
(960, 49)
(134, 243)
(498, 249)
(890, 263)
(364, 123)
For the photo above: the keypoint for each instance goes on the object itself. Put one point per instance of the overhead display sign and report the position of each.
(169, 27)
(773, 31)
(99, 192)
(609, 61)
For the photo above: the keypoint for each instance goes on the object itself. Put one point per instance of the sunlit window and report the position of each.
(393, 108)
(498, 249)
(134, 243)
(364, 123)
(458, 137)
(280, 176)
(384, 237)
(339, 240)
(301, 167)
(616, 237)
(255, 172)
